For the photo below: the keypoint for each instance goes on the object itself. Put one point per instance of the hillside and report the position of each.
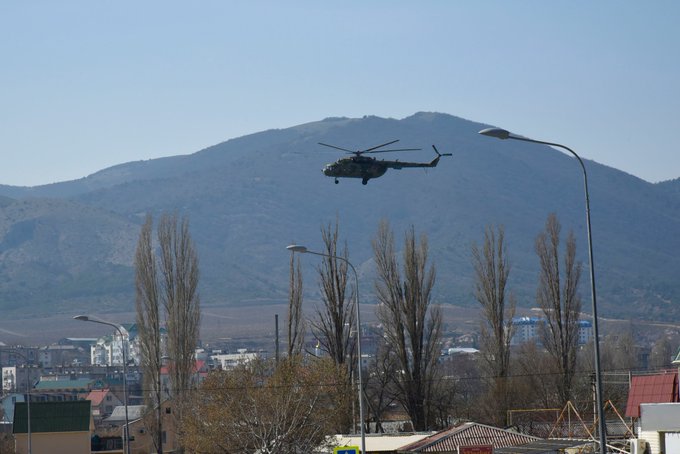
(69, 243)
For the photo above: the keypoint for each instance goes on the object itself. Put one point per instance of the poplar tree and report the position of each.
(411, 325)
(557, 296)
(492, 270)
(166, 284)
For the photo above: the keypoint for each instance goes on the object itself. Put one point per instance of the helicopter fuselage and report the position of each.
(366, 168)
(356, 167)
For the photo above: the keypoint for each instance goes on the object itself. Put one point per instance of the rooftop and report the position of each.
(69, 416)
(469, 434)
(76, 384)
(650, 389)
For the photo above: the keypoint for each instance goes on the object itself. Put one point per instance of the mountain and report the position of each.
(71, 244)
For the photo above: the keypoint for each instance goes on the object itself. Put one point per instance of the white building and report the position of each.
(659, 429)
(528, 329)
(19, 379)
(230, 360)
(9, 378)
(108, 350)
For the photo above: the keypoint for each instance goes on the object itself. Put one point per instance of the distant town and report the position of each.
(106, 371)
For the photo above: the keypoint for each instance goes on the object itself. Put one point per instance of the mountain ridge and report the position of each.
(248, 197)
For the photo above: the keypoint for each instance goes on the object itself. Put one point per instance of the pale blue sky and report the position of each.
(90, 84)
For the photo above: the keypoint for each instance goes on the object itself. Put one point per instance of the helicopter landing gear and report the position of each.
(364, 181)
(336, 181)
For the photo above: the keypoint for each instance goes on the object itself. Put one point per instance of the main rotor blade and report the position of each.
(396, 149)
(337, 148)
(379, 146)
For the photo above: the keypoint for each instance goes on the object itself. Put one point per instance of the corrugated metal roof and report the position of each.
(77, 384)
(96, 396)
(70, 416)
(469, 434)
(651, 389)
(118, 414)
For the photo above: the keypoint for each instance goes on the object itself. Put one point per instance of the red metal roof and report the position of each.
(96, 396)
(468, 434)
(651, 389)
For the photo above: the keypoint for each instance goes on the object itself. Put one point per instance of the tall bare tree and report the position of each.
(336, 316)
(498, 308)
(558, 298)
(167, 282)
(296, 326)
(403, 310)
(147, 304)
(380, 383)
(179, 295)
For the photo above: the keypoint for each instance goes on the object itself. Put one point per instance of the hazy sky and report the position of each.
(90, 84)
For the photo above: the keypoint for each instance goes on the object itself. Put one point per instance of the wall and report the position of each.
(54, 443)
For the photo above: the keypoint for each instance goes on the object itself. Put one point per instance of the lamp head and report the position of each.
(498, 133)
(82, 318)
(297, 248)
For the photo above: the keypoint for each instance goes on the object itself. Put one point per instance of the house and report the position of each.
(648, 389)
(658, 429)
(55, 427)
(467, 434)
(654, 401)
(103, 403)
(117, 417)
(108, 436)
(142, 438)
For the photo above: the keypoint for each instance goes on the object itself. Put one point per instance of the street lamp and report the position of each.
(126, 431)
(503, 135)
(304, 250)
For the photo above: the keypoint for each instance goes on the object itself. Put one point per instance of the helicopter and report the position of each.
(366, 167)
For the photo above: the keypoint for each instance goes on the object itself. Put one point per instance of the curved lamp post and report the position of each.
(304, 250)
(502, 134)
(126, 431)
